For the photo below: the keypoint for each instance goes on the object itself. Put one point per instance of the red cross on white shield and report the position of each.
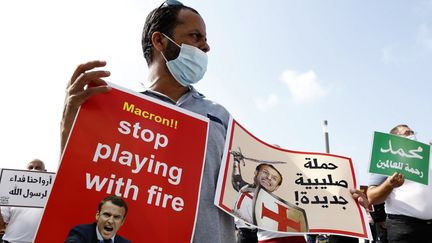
(276, 214)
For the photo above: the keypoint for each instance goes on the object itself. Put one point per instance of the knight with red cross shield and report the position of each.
(275, 214)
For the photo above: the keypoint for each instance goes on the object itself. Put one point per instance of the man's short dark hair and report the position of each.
(163, 19)
(258, 168)
(118, 201)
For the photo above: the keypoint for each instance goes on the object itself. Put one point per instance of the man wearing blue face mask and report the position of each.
(190, 65)
(174, 44)
(408, 204)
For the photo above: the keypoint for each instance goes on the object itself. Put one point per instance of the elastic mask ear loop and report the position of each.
(171, 40)
(166, 60)
(164, 56)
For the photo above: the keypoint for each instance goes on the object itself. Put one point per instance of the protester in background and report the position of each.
(110, 216)
(379, 218)
(372, 228)
(22, 223)
(408, 204)
(174, 42)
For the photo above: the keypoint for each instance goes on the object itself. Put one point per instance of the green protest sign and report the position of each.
(391, 153)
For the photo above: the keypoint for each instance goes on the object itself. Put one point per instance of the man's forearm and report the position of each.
(66, 125)
(2, 224)
(378, 194)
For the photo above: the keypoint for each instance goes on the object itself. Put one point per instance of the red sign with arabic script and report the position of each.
(147, 152)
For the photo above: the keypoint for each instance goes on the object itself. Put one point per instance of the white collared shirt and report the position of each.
(22, 223)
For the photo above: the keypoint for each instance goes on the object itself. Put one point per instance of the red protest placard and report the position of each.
(147, 152)
(282, 190)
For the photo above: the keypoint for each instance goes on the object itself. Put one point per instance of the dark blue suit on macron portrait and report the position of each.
(86, 233)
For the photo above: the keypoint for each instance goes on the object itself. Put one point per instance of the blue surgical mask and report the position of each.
(190, 65)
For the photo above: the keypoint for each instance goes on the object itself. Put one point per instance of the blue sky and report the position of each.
(280, 67)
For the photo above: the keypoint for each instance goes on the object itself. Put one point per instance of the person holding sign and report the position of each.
(22, 222)
(110, 216)
(174, 42)
(408, 204)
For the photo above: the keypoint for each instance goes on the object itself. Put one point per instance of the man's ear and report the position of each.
(97, 216)
(158, 41)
